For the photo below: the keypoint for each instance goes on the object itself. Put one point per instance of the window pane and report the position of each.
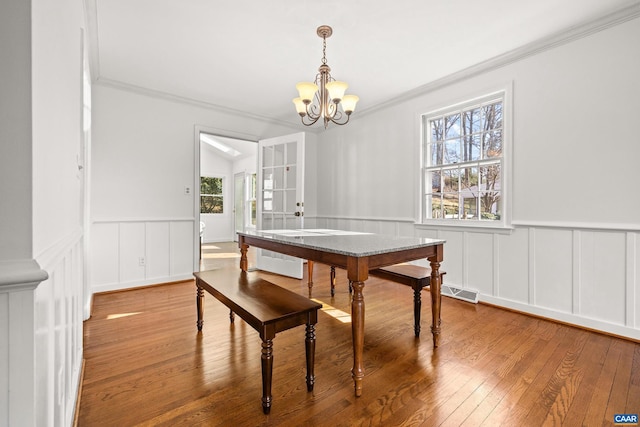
(254, 209)
(435, 201)
(470, 207)
(492, 116)
(469, 181)
(490, 178)
(436, 153)
(210, 185)
(490, 205)
(435, 178)
(211, 204)
(452, 126)
(437, 130)
(451, 206)
(492, 145)
(471, 148)
(450, 180)
(472, 120)
(452, 151)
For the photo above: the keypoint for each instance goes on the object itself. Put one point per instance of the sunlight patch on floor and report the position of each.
(221, 255)
(209, 246)
(334, 312)
(120, 315)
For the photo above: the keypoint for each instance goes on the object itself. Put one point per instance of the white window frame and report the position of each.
(504, 93)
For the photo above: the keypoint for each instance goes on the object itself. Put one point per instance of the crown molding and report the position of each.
(569, 35)
(116, 84)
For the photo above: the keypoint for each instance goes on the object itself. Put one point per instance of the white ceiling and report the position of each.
(247, 55)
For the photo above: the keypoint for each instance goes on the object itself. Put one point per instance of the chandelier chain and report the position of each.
(324, 50)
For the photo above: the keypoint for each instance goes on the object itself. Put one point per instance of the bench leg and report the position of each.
(267, 370)
(310, 349)
(310, 276)
(333, 281)
(199, 306)
(232, 316)
(417, 304)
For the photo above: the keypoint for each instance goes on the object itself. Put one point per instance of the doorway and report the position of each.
(221, 161)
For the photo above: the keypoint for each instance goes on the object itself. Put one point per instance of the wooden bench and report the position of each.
(267, 308)
(407, 274)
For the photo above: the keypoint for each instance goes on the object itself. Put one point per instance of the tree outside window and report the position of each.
(211, 195)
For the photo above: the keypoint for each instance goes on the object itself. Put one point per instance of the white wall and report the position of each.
(573, 254)
(41, 226)
(143, 155)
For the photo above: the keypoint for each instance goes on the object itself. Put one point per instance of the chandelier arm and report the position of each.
(340, 116)
(311, 122)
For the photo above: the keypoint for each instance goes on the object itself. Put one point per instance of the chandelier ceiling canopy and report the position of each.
(323, 97)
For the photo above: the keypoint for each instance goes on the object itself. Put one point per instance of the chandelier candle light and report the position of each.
(322, 97)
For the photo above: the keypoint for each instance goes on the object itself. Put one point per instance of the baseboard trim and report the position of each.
(604, 329)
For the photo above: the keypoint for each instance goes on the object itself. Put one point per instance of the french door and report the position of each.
(280, 197)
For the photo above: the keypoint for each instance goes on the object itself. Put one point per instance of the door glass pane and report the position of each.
(291, 200)
(278, 178)
(267, 156)
(292, 153)
(267, 179)
(278, 155)
(278, 201)
(290, 173)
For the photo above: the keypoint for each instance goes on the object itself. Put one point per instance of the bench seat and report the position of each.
(415, 276)
(267, 308)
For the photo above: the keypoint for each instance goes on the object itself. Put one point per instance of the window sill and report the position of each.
(477, 226)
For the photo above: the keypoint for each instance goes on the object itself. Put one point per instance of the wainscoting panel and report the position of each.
(479, 260)
(181, 248)
(132, 250)
(602, 275)
(552, 260)
(131, 253)
(157, 244)
(104, 258)
(58, 332)
(513, 266)
(587, 276)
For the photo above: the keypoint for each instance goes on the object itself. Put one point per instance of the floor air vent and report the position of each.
(463, 294)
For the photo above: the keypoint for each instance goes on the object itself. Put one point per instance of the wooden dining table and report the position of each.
(357, 253)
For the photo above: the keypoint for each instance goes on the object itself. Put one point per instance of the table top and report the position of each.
(349, 243)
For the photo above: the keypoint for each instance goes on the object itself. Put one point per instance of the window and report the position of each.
(463, 162)
(252, 200)
(211, 191)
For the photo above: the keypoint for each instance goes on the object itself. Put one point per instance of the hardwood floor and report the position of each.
(146, 364)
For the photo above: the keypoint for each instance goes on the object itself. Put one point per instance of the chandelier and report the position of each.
(322, 97)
